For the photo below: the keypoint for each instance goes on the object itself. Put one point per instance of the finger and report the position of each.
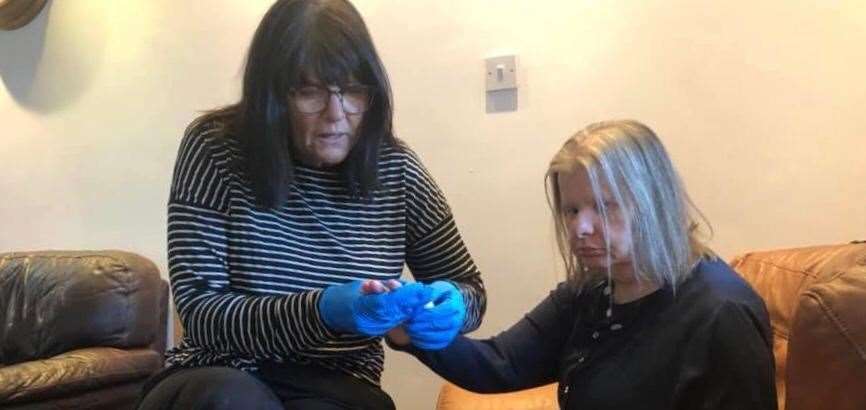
(437, 312)
(379, 287)
(429, 346)
(432, 334)
(449, 323)
(375, 306)
(439, 341)
(372, 286)
(434, 327)
(374, 330)
(393, 284)
(411, 297)
(444, 297)
(375, 324)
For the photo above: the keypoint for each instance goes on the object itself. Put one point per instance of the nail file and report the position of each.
(431, 304)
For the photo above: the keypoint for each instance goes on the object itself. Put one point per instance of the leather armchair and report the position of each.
(79, 330)
(816, 297)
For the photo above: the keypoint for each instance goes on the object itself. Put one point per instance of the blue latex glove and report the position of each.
(344, 308)
(434, 327)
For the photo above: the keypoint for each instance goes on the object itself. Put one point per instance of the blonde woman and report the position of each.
(649, 317)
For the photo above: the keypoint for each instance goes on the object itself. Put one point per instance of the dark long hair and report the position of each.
(297, 40)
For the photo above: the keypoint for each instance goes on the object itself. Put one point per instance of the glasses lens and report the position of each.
(356, 99)
(312, 99)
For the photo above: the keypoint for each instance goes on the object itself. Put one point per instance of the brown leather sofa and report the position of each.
(816, 297)
(452, 397)
(80, 330)
(817, 302)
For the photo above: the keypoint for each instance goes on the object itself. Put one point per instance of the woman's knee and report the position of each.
(211, 388)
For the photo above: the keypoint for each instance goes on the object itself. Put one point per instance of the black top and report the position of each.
(707, 346)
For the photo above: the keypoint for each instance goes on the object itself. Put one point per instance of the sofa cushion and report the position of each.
(806, 290)
(74, 372)
(452, 397)
(57, 301)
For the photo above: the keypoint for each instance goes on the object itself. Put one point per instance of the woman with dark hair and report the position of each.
(648, 318)
(281, 206)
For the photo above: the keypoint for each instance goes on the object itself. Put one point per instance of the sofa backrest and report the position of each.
(55, 301)
(816, 298)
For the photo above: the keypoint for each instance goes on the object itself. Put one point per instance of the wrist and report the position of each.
(397, 337)
(335, 309)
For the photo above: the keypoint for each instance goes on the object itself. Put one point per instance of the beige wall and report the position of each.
(760, 103)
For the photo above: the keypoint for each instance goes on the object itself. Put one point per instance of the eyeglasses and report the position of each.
(313, 99)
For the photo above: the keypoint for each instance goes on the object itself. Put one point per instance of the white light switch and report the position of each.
(501, 73)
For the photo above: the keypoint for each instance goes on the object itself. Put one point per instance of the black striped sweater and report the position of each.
(246, 281)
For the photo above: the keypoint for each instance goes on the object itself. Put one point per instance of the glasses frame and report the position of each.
(339, 92)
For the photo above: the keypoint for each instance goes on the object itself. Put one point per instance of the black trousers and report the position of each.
(273, 387)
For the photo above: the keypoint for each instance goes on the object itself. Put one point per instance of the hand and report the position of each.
(435, 325)
(347, 308)
(397, 335)
(376, 286)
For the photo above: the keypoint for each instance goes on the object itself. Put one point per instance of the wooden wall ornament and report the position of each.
(17, 13)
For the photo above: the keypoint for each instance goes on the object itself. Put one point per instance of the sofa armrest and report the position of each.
(57, 301)
(827, 349)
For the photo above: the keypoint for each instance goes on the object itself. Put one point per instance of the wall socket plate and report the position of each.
(501, 73)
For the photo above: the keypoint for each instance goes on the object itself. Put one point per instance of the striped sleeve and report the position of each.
(434, 247)
(214, 317)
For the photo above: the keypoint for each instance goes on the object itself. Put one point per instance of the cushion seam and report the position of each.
(839, 324)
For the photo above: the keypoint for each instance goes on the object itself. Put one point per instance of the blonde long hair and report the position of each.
(628, 159)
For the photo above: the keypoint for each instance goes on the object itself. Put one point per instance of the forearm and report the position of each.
(475, 298)
(223, 320)
(521, 357)
(476, 365)
(442, 255)
(258, 326)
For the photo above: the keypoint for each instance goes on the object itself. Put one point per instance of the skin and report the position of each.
(587, 234)
(324, 140)
(375, 286)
